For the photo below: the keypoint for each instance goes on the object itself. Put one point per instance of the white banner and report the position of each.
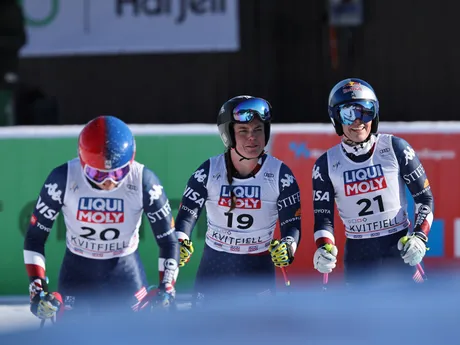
(95, 27)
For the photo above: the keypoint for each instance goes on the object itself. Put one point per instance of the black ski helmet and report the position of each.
(242, 109)
(349, 91)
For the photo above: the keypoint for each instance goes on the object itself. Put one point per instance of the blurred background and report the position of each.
(166, 67)
(177, 61)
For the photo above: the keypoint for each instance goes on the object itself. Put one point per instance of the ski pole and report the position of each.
(286, 279)
(325, 280)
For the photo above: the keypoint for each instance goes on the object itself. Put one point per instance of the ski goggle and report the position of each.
(349, 112)
(245, 111)
(100, 176)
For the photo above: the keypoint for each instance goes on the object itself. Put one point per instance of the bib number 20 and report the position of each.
(105, 235)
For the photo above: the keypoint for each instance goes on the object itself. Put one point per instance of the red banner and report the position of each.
(439, 155)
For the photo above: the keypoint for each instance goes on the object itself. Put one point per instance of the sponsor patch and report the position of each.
(100, 210)
(247, 197)
(364, 180)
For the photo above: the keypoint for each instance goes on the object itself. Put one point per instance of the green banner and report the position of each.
(27, 163)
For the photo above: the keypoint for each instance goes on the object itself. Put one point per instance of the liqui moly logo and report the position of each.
(365, 180)
(100, 210)
(247, 197)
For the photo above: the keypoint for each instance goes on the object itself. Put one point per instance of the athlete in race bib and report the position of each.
(367, 175)
(245, 192)
(102, 195)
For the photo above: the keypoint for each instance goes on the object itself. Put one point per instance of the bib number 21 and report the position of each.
(367, 205)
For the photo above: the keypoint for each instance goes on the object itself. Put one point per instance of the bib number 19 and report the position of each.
(244, 221)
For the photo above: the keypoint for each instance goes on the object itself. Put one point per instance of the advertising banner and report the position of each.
(58, 27)
(173, 158)
(439, 153)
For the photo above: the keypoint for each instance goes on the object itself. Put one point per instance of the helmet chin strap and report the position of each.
(358, 148)
(246, 158)
(350, 142)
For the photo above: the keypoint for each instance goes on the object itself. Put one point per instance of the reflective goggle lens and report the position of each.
(245, 111)
(99, 176)
(349, 112)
